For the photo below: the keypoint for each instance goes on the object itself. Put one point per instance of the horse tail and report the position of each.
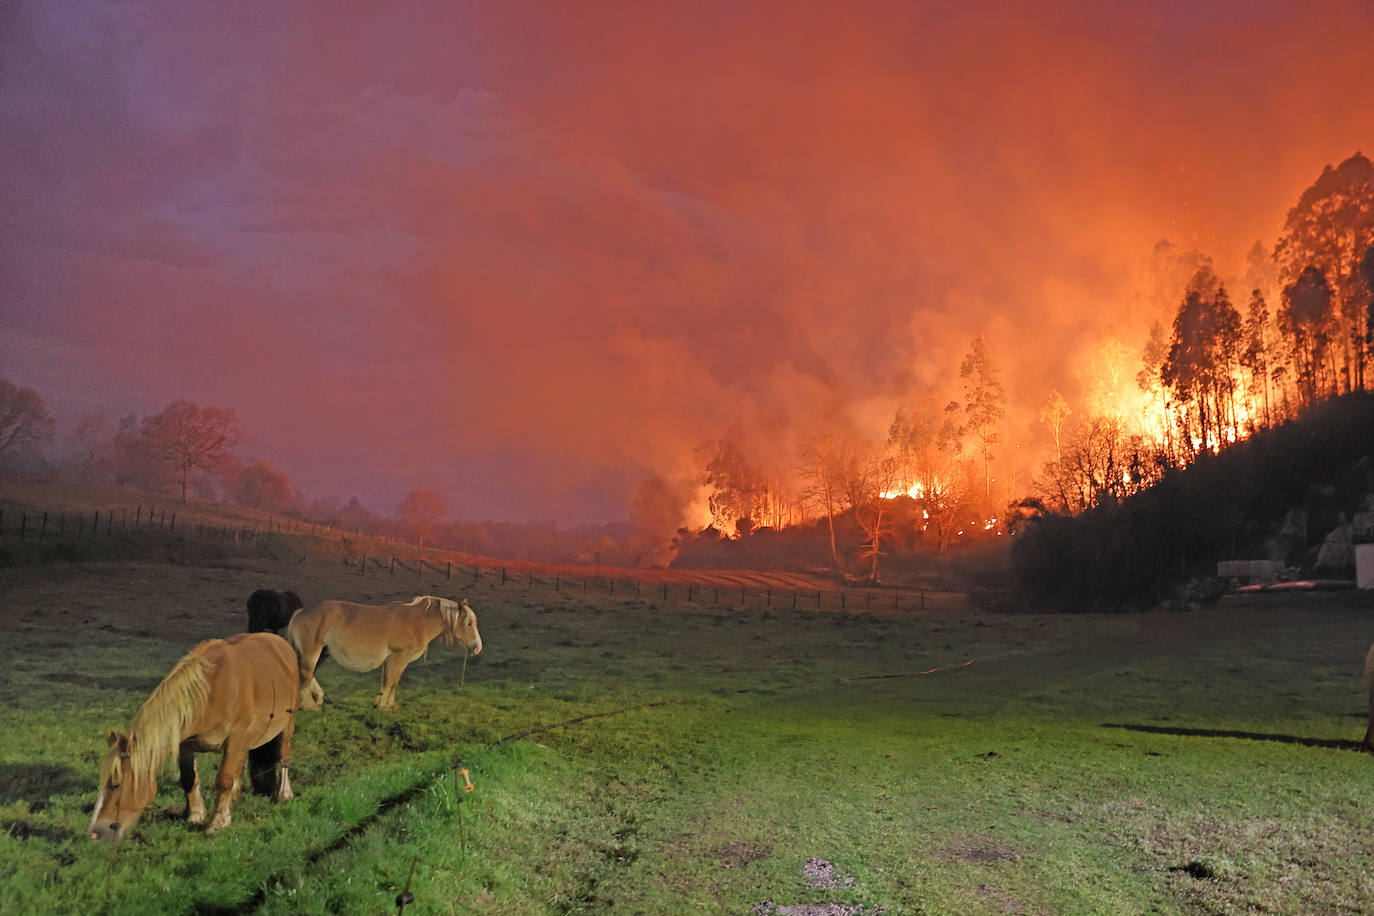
(262, 766)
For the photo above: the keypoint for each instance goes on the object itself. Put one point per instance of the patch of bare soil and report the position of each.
(978, 849)
(819, 874)
(738, 855)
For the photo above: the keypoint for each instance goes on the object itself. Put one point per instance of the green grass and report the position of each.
(1174, 763)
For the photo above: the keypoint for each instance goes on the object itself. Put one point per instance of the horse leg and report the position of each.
(190, 784)
(391, 676)
(312, 694)
(284, 793)
(228, 784)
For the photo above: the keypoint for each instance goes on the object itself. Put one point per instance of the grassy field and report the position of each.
(732, 761)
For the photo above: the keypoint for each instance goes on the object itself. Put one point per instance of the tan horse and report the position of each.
(362, 637)
(237, 696)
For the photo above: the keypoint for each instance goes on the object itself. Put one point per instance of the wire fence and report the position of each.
(66, 534)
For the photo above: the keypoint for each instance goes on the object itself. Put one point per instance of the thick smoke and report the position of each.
(531, 256)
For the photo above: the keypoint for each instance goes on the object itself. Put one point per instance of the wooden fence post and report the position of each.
(43, 531)
(818, 598)
(503, 575)
(23, 523)
(794, 601)
(362, 569)
(448, 570)
(173, 525)
(665, 591)
(393, 564)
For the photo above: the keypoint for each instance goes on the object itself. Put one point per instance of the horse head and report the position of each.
(124, 792)
(461, 624)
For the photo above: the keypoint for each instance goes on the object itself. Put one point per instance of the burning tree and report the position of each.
(1200, 367)
(736, 487)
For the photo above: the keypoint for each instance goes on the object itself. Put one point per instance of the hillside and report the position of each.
(1137, 553)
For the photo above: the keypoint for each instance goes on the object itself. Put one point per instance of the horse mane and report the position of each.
(168, 712)
(449, 610)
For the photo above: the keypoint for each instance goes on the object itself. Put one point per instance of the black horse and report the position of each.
(270, 611)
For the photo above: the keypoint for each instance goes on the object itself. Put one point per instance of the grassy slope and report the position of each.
(1008, 785)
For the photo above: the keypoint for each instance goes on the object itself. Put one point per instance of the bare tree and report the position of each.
(188, 437)
(874, 477)
(822, 475)
(23, 417)
(1053, 415)
(422, 511)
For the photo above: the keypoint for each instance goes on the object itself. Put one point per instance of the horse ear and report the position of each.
(466, 606)
(111, 738)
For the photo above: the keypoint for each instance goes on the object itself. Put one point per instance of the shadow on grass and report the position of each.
(36, 782)
(1339, 744)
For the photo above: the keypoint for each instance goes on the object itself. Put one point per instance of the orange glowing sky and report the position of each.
(528, 258)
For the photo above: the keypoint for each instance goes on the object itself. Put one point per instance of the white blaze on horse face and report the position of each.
(470, 623)
(116, 809)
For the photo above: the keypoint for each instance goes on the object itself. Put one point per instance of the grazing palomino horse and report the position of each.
(271, 610)
(237, 696)
(364, 636)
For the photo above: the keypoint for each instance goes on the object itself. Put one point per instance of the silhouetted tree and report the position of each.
(1330, 228)
(23, 416)
(1199, 368)
(735, 486)
(984, 408)
(1255, 357)
(1308, 320)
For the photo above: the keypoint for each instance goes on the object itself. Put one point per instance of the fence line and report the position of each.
(85, 526)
